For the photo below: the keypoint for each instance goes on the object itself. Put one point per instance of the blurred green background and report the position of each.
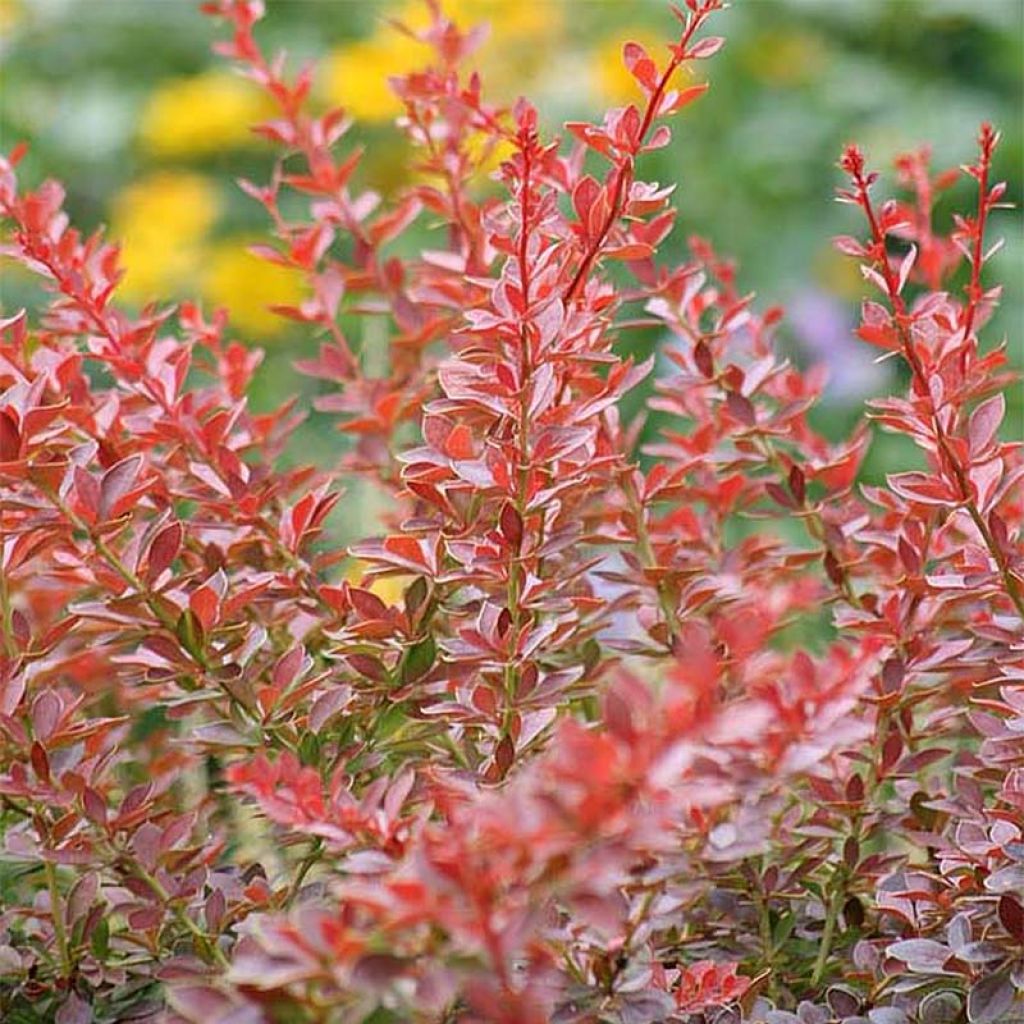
(122, 100)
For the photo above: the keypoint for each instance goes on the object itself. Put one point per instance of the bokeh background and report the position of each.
(122, 100)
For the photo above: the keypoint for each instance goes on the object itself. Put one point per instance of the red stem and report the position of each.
(974, 288)
(945, 450)
(625, 166)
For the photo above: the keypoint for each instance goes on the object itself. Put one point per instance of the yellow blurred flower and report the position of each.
(10, 14)
(614, 85)
(509, 20)
(787, 59)
(356, 75)
(501, 151)
(522, 34)
(839, 274)
(161, 221)
(202, 114)
(246, 285)
(389, 589)
(387, 166)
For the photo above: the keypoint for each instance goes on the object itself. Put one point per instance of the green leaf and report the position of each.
(390, 721)
(190, 633)
(419, 659)
(783, 929)
(100, 940)
(416, 593)
(309, 749)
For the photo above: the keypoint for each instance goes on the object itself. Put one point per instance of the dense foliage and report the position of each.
(607, 752)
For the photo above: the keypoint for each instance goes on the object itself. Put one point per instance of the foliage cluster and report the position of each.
(586, 765)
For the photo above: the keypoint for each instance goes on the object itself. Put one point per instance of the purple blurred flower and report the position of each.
(823, 327)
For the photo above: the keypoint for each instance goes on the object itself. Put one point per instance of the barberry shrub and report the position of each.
(582, 767)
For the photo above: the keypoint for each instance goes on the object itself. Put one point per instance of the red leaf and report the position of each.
(46, 712)
(87, 494)
(704, 359)
(675, 101)
(511, 525)
(10, 438)
(984, 423)
(630, 251)
(287, 667)
(740, 408)
(706, 47)
(505, 755)
(367, 604)
(882, 335)
(407, 548)
(459, 443)
(95, 806)
(163, 550)
(1011, 916)
(40, 762)
(116, 484)
(204, 604)
(640, 66)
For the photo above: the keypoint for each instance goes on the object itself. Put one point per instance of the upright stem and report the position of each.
(523, 426)
(815, 525)
(622, 181)
(650, 560)
(988, 140)
(207, 946)
(832, 909)
(921, 383)
(57, 916)
(307, 862)
(162, 616)
(6, 613)
(625, 166)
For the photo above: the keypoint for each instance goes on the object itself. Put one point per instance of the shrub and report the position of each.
(610, 754)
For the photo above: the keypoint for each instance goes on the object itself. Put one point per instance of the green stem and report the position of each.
(57, 916)
(163, 617)
(305, 865)
(813, 523)
(649, 559)
(208, 948)
(767, 943)
(831, 919)
(7, 615)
